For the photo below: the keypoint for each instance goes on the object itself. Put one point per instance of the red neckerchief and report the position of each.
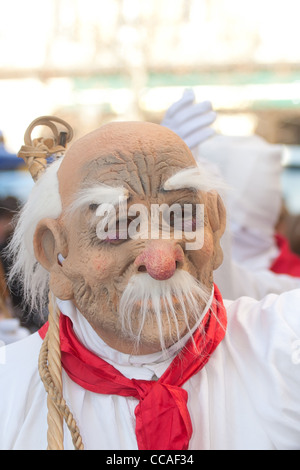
(286, 262)
(162, 418)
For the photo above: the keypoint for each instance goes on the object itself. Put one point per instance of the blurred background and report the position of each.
(93, 61)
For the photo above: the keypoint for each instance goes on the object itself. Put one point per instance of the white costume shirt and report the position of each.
(246, 396)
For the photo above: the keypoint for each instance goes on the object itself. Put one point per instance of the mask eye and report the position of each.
(183, 218)
(120, 234)
(189, 218)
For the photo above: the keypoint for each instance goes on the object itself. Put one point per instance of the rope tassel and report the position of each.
(35, 152)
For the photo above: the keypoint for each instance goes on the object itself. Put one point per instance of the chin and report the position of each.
(151, 335)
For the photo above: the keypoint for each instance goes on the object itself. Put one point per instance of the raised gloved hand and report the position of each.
(190, 120)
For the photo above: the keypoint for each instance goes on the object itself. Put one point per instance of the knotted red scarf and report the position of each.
(162, 418)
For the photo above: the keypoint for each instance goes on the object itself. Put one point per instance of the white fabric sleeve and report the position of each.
(235, 280)
(264, 342)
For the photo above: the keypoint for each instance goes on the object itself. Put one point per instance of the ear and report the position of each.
(49, 241)
(217, 217)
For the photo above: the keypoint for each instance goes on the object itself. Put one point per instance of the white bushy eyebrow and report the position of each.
(193, 178)
(98, 194)
(189, 178)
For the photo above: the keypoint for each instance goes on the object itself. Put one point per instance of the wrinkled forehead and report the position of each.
(137, 156)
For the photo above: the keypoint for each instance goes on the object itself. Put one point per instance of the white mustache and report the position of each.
(142, 289)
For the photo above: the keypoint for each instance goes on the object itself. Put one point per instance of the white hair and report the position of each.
(98, 194)
(43, 201)
(198, 177)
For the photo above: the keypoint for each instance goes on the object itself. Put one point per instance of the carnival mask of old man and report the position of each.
(133, 237)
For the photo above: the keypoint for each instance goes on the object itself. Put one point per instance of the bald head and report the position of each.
(137, 155)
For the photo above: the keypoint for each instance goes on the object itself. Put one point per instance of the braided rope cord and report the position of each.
(51, 375)
(35, 153)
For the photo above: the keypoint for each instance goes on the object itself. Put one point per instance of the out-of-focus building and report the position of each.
(131, 58)
(90, 61)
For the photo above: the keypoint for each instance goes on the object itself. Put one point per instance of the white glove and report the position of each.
(190, 120)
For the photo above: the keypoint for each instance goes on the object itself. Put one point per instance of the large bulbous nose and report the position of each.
(160, 259)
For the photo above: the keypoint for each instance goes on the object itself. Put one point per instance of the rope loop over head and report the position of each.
(35, 152)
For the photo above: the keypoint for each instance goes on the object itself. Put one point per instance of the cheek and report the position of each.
(204, 257)
(207, 251)
(100, 266)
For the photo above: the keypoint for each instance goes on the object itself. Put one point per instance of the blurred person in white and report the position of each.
(10, 329)
(140, 351)
(253, 263)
